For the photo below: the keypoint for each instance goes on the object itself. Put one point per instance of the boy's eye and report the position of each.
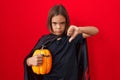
(54, 23)
(62, 23)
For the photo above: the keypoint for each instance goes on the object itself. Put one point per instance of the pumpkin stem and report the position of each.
(43, 46)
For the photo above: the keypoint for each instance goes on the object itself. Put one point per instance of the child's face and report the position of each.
(58, 24)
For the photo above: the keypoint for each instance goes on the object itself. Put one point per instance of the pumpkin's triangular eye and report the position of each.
(45, 55)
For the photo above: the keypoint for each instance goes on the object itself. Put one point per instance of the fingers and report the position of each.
(73, 36)
(70, 31)
(37, 60)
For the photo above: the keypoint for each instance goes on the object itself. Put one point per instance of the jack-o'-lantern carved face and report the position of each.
(46, 65)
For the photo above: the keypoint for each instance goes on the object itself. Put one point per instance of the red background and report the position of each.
(22, 22)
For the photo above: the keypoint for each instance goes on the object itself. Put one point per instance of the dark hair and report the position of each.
(57, 10)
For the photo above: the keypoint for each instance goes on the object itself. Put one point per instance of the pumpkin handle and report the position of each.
(43, 46)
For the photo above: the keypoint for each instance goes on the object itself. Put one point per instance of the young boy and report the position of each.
(63, 42)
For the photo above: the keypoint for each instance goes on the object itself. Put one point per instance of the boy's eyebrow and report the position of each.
(62, 22)
(59, 22)
(54, 22)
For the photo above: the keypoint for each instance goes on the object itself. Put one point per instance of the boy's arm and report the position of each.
(86, 31)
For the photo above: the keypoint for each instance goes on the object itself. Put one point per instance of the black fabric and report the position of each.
(83, 71)
(69, 59)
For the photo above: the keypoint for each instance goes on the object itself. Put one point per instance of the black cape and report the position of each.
(82, 56)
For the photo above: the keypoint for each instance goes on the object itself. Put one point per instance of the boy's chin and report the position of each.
(58, 34)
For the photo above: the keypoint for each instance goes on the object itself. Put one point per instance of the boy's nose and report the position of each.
(58, 26)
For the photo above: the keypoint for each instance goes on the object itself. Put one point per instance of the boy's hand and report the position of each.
(73, 31)
(35, 60)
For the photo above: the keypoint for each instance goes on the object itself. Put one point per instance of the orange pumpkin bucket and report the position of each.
(46, 65)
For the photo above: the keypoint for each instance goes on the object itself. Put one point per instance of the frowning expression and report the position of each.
(58, 24)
